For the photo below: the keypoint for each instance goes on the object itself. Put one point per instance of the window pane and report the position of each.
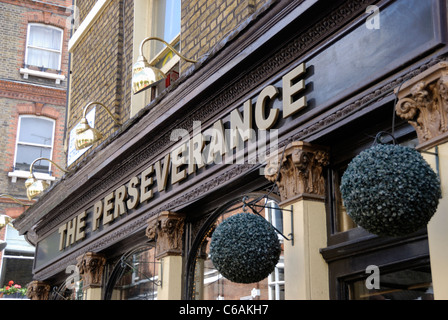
(165, 23)
(43, 58)
(17, 270)
(275, 215)
(45, 37)
(40, 40)
(281, 292)
(209, 284)
(408, 284)
(139, 277)
(172, 19)
(27, 154)
(16, 242)
(35, 130)
(281, 274)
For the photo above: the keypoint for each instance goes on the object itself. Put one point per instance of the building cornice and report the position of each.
(40, 5)
(31, 92)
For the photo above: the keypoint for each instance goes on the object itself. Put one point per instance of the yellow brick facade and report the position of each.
(101, 65)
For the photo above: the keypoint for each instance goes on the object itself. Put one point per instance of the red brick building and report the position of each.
(33, 82)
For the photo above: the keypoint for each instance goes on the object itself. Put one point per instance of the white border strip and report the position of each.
(88, 21)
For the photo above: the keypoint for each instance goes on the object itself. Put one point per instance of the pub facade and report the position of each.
(262, 106)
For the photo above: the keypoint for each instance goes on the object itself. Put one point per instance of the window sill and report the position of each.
(28, 72)
(25, 174)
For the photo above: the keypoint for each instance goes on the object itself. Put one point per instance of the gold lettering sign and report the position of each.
(191, 155)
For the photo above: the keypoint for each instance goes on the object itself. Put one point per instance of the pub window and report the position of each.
(342, 221)
(34, 140)
(403, 263)
(43, 47)
(276, 282)
(274, 215)
(206, 281)
(135, 276)
(17, 259)
(409, 283)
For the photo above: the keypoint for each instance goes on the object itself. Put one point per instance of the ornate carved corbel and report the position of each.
(301, 171)
(91, 267)
(38, 290)
(167, 230)
(423, 102)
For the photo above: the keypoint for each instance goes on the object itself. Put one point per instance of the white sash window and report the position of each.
(44, 46)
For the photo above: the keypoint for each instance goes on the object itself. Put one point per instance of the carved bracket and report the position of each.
(301, 171)
(423, 101)
(91, 267)
(38, 290)
(167, 230)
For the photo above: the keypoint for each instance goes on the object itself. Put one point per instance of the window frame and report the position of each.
(17, 173)
(155, 23)
(274, 283)
(203, 235)
(363, 140)
(346, 292)
(21, 255)
(27, 45)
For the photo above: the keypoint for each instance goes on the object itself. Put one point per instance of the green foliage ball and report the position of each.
(390, 190)
(245, 248)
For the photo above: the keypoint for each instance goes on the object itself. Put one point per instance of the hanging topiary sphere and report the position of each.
(390, 190)
(245, 248)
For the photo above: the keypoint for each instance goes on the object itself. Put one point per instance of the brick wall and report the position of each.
(14, 19)
(32, 96)
(127, 58)
(102, 62)
(205, 23)
(84, 7)
(97, 68)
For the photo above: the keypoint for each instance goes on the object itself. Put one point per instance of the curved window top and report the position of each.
(204, 280)
(135, 276)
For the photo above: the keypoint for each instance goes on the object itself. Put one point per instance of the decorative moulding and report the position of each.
(91, 267)
(166, 229)
(423, 102)
(38, 290)
(301, 170)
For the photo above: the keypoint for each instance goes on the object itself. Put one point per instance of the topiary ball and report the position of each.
(245, 248)
(390, 190)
